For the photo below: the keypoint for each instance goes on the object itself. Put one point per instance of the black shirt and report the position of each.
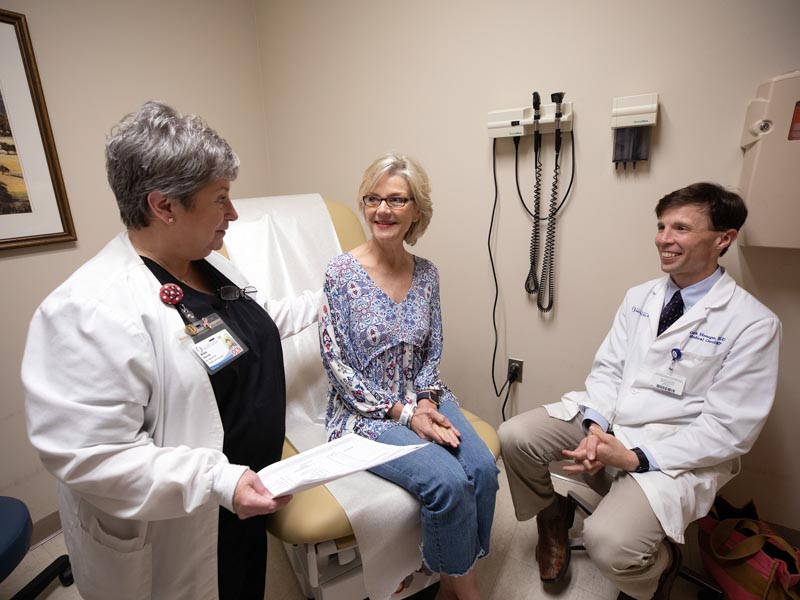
(250, 390)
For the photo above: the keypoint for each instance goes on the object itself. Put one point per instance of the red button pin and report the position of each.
(170, 293)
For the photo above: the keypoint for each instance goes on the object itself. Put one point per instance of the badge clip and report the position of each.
(676, 356)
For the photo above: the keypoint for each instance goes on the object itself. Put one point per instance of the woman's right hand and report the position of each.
(431, 425)
(251, 498)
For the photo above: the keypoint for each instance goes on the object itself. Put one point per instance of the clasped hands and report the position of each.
(431, 425)
(597, 450)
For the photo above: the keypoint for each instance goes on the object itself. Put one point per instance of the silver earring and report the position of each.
(171, 220)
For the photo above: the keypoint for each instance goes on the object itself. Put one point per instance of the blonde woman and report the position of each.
(381, 338)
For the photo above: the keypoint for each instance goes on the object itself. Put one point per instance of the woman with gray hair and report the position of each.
(154, 380)
(381, 341)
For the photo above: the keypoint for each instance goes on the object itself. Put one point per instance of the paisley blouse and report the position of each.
(377, 351)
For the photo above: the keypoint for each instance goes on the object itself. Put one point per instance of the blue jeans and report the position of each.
(457, 488)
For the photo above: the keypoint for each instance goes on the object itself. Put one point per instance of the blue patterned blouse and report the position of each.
(376, 351)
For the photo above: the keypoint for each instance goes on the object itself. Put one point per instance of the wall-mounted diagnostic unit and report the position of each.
(632, 119)
(544, 122)
(770, 182)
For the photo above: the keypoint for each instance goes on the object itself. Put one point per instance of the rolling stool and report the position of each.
(16, 529)
(708, 590)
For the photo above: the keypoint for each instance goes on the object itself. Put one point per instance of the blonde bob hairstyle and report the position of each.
(418, 185)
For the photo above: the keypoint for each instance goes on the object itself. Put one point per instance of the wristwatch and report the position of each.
(432, 395)
(644, 464)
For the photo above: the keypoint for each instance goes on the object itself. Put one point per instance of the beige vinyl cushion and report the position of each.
(348, 227)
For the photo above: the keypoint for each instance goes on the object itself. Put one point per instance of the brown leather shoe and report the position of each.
(552, 550)
(667, 578)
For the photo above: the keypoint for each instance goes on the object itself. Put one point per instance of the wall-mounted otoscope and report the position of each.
(557, 99)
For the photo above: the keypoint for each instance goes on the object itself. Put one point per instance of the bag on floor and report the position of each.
(745, 556)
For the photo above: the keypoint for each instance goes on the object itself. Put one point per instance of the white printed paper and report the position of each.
(348, 454)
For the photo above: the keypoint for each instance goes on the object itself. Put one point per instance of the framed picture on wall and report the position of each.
(33, 202)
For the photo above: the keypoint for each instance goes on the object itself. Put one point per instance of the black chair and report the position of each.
(708, 589)
(16, 529)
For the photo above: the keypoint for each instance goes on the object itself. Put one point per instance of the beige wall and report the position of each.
(347, 80)
(99, 61)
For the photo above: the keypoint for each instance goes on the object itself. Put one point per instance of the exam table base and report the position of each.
(328, 572)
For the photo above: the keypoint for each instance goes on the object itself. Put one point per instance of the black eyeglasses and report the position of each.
(230, 293)
(374, 201)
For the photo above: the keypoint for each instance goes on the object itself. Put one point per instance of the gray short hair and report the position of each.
(419, 185)
(158, 149)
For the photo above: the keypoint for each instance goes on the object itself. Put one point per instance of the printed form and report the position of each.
(348, 454)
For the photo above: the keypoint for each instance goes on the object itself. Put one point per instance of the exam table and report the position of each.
(313, 527)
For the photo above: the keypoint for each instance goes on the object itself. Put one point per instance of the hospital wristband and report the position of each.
(407, 414)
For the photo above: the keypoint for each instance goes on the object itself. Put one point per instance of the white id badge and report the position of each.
(215, 345)
(667, 382)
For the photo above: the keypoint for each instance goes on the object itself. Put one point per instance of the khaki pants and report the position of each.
(623, 536)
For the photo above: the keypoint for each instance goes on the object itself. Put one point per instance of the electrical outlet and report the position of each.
(515, 362)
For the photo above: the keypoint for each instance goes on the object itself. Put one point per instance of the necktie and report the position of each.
(671, 312)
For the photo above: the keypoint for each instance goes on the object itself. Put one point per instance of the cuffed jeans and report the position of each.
(457, 488)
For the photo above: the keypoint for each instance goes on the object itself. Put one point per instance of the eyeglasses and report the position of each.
(230, 293)
(374, 201)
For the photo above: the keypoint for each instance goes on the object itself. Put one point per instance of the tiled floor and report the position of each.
(508, 573)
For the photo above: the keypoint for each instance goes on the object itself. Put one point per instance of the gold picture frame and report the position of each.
(33, 201)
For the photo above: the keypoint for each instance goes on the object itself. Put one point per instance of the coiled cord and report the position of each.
(532, 280)
(549, 258)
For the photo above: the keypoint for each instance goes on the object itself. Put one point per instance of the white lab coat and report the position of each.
(126, 419)
(729, 343)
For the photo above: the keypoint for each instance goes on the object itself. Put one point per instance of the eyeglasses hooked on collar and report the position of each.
(231, 293)
(374, 201)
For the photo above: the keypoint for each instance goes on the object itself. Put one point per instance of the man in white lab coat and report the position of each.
(679, 390)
